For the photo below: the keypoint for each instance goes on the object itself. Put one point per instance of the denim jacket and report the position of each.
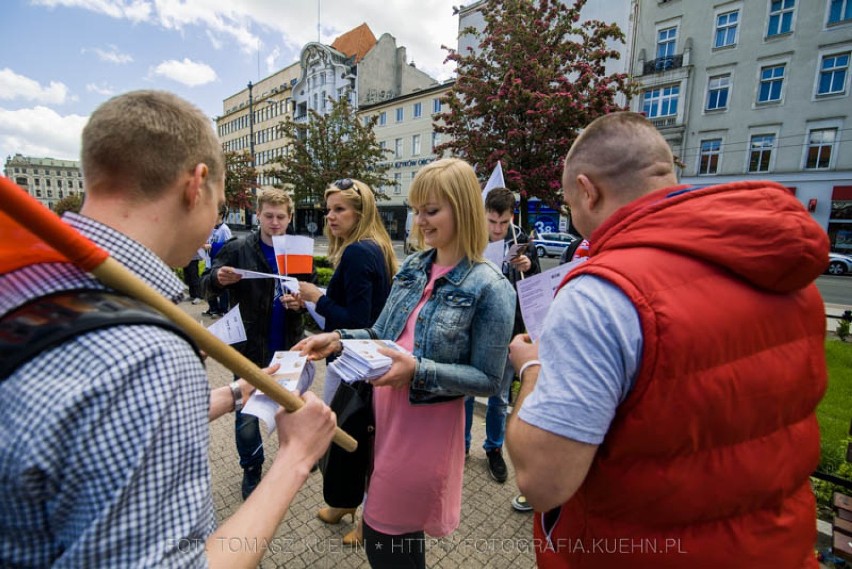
(462, 334)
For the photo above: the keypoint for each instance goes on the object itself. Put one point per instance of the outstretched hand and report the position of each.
(319, 346)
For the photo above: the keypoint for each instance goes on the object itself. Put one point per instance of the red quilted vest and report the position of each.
(706, 463)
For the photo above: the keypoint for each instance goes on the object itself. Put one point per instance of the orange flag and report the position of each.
(294, 253)
(55, 242)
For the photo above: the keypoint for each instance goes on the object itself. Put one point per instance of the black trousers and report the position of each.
(191, 278)
(406, 551)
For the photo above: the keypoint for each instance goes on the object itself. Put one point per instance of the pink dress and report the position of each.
(419, 455)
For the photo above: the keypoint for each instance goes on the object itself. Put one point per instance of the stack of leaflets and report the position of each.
(295, 374)
(361, 360)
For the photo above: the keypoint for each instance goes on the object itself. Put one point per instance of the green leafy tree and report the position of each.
(330, 147)
(537, 78)
(71, 202)
(240, 180)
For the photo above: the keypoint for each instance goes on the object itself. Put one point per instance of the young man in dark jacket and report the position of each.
(264, 307)
(499, 213)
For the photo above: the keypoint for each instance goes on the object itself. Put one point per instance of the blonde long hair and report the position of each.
(455, 181)
(369, 225)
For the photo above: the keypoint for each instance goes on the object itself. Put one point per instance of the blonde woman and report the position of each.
(454, 312)
(361, 253)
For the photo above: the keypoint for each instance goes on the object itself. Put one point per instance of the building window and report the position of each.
(771, 82)
(840, 11)
(383, 118)
(418, 110)
(397, 183)
(398, 148)
(760, 152)
(436, 105)
(717, 92)
(666, 42)
(820, 145)
(726, 29)
(400, 114)
(780, 17)
(436, 140)
(415, 145)
(661, 102)
(832, 74)
(708, 157)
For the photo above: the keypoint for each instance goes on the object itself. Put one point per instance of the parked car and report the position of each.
(552, 244)
(839, 264)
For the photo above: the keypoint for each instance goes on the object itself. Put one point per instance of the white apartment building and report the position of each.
(754, 89)
(46, 179)
(405, 130)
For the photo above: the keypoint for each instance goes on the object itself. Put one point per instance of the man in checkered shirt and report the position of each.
(104, 439)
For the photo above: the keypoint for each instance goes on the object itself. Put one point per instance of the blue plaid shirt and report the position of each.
(104, 439)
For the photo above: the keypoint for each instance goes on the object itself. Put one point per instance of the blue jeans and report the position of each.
(495, 414)
(249, 443)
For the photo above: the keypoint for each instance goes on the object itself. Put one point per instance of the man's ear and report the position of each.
(196, 184)
(589, 192)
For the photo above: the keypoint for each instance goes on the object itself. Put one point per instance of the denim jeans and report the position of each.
(249, 443)
(495, 414)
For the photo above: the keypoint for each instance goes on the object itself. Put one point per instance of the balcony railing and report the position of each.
(663, 64)
(663, 122)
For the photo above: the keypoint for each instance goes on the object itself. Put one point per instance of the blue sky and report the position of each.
(59, 59)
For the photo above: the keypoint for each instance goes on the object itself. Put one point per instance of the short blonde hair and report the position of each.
(369, 226)
(143, 140)
(454, 181)
(274, 197)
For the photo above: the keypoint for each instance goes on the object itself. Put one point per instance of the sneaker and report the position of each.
(196, 301)
(520, 504)
(251, 478)
(496, 465)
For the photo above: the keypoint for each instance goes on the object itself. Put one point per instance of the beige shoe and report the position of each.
(354, 537)
(334, 515)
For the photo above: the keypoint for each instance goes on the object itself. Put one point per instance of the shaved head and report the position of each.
(623, 152)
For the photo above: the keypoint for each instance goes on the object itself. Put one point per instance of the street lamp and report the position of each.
(251, 124)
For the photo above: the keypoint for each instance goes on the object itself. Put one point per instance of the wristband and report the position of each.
(526, 366)
(238, 396)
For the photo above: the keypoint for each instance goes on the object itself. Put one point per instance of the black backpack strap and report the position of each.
(47, 321)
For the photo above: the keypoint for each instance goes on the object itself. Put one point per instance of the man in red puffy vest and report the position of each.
(670, 421)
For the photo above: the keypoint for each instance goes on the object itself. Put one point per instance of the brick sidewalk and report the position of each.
(491, 533)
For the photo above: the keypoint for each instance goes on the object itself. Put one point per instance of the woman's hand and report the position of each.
(309, 292)
(319, 346)
(401, 372)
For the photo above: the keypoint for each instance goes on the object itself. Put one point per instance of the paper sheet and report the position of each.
(535, 295)
(230, 327)
(296, 374)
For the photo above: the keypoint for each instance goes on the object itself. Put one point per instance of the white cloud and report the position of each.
(102, 89)
(133, 10)
(112, 55)
(14, 86)
(187, 72)
(272, 60)
(42, 132)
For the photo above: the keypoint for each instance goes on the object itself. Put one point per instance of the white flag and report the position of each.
(495, 181)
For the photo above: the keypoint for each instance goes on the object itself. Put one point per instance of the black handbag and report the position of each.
(345, 474)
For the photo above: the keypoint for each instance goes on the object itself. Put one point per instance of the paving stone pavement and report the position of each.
(491, 533)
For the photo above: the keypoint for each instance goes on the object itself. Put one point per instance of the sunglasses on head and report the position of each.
(345, 184)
